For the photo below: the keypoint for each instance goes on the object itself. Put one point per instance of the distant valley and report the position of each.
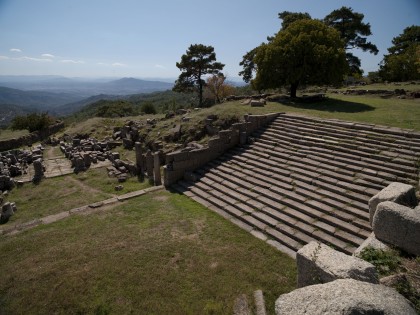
(62, 96)
(83, 87)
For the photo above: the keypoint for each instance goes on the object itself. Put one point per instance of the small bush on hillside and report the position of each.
(148, 108)
(119, 108)
(32, 122)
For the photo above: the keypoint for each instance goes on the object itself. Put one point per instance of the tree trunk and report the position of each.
(200, 93)
(293, 89)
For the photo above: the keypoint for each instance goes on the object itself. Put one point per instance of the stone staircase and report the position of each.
(304, 179)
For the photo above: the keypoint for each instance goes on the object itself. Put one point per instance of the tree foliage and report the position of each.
(32, 122)
(288, 18)
(353, 31)
(306, 52)
(217, 88)
(198, 61)
(402, 62)
(148, 108)
(117, 108)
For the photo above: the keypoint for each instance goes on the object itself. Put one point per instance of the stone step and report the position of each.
(289, 222)
(297, 167)
(345, 212)
(310, 149)
(365, 146)
(315, 180)
(383, 172)
(276, 198)
(350, 130)
(340, 202)
(276, 155)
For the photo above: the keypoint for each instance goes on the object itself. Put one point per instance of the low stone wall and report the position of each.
(33, 137)
(180, 162)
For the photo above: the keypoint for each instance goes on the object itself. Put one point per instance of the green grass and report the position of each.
(6, 134)
(54, 195)
(402, 113)
(161, 253)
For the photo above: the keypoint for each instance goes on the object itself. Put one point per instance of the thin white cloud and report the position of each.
(47, 56)
(160, 67)
(118, 64)
(33, 59)
(15, 50)
(4, 58)
(72, 61)
(101, 64)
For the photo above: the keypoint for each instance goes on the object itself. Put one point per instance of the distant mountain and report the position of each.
(83, 87)
(39, 100)
(126, 86)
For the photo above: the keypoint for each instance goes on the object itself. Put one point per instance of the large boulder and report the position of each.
(319, 263)
(6, 212)
(344, 296)
(400, 193)
(398, 225)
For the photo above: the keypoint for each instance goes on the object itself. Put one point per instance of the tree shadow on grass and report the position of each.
(329, 105)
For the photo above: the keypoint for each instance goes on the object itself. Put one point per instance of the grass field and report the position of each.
(161, 253)
(59, 194)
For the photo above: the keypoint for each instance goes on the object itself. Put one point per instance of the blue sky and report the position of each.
(139, 38)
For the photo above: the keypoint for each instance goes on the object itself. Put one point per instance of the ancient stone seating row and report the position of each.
(303, 179)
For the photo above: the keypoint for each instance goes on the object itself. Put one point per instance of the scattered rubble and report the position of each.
(14, 163)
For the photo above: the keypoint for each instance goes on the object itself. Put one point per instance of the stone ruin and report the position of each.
(323, 271)
(83, 152)
(14, 163)
(7, 210)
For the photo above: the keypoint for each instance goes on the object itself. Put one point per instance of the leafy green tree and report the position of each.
(403, 61)
(248, 64)
(353, 31)
(198, 61)
(306, 52)
(32, 122)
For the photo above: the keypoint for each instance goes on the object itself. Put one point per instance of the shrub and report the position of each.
(148, 108)
(32, 122)
(385, 261)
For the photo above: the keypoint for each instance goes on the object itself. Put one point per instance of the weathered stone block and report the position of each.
(373, 242)
(318, 263)
(400, 193)
(398, 225)
(344, 296)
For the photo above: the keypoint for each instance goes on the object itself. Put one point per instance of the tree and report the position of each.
(403, 61)
(248, 64)
(288, 18)
(306, 52)
(352, 30)
(217, 88)
(198, 61)
(32, 122)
